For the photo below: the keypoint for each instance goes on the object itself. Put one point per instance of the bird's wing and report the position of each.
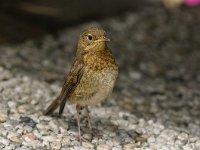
(71, 81)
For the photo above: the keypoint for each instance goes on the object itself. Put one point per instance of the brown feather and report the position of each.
(71, 81)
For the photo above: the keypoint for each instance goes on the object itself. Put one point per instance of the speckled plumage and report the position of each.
(98, 81)
(92, 76)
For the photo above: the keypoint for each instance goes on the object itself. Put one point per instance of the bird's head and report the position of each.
(93, 39)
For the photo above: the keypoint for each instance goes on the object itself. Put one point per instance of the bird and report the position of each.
(91, 78)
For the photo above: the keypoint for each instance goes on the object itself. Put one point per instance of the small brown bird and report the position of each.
(92, 75)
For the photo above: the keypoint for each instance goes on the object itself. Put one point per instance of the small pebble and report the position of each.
(4, 141)
(140, 139)
(104, 147)
(28, 121)
(3, 118)
(129, 146)
(116, 148)
(55, 145)
(182, 136)
(22, 148)
(87, 136)
(87, 145)
(1, 146)
(23, 108)
(28, 137)
(66, 141)
(15, 139)
(50, 138)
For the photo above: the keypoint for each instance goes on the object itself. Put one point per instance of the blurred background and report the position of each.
(156, 44)
(25, 19)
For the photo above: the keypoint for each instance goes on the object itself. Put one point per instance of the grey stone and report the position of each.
(104, 147)
(4, 141)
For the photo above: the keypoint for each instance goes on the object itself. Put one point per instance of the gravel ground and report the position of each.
(155, 104)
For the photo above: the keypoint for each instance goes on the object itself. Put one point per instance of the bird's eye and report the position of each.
(90, 37)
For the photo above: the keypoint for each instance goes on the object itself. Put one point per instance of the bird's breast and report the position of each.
(94, 87)
(104, 77)
(101, 70)
(97, 82)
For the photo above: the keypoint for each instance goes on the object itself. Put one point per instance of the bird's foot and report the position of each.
(82, 139)
(93, 132)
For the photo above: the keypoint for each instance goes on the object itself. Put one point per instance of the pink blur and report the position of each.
(192, 2)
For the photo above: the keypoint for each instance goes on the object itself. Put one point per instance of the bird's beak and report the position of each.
(103, 39)
(106, 39)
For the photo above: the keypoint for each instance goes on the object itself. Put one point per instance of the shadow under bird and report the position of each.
(92, 76)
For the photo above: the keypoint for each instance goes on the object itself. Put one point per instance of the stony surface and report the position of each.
(156, 102)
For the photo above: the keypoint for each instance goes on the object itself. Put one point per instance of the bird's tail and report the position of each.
(52, 106)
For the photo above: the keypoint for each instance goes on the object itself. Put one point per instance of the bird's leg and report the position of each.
(88, 119)
(93, 132)
(78, 108)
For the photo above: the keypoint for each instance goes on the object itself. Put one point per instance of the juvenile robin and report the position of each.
(92, 75)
